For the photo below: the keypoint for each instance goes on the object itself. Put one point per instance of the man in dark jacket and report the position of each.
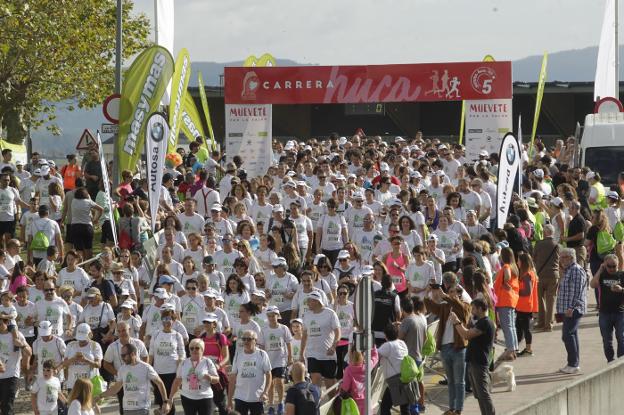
(546, 257)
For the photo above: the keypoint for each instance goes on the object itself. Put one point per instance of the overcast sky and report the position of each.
(382, 31)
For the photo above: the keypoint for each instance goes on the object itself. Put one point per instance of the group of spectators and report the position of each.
(252, 283)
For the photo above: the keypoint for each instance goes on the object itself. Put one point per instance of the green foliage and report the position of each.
(59, 50)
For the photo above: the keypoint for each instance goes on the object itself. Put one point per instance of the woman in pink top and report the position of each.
(18, 279)
(396, 262)
(354, 376)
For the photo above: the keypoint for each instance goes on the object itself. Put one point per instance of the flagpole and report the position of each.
(617, 53)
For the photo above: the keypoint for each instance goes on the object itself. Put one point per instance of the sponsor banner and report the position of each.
(180, 81)
(156, 135)
(144, 84)
(507, 171)
(248, 131)
(368, 84)
(487, 122)
(104, 167)
(191, 121)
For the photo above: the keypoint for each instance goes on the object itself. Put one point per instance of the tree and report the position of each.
(59, 50)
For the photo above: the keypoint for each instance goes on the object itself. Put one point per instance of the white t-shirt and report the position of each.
(9, 357)
(346, 316)
(8, 197)
(204, 199)
(303, 224)
(113, 353)
(78, 279)
(355, 217)
(275, 341)
(47, 391)
(194, 384)
(23, 312)
(265, 258)
(98, 316)
(365, 241)
(190, 224)
(391, 356)
(239, 328)
(300, 301)
(233, 301)
(91, 351)
(51, 350)
(225, 261)
(331, 227)
(137, 385)
(320, 329)
(280, 286)
(261, 214)
(81, 211)
(316, 212)
(191, 311)
(250, 370)
(75, 408)
(55, 311)
(166, 349)
(420, 275)
(446, 241)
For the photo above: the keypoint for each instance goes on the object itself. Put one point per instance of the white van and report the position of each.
(602, 145)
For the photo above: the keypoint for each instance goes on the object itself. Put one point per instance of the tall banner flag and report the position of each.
(164, 32)
(143, 87)
(181, 78)
(156, 135)
(249, 135)
(204, 102)
(191, 120)
(105, 180)
(509, 165)
(538, 100)
(606, 64)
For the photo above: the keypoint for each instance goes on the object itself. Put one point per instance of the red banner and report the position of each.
(368, 84)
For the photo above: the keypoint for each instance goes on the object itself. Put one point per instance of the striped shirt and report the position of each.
(572, 290)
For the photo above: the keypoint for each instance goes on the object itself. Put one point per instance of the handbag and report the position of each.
(99, 385)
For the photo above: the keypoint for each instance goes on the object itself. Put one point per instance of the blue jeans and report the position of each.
(454, 362)
(507, 319)
(609, 322)
(569, 335)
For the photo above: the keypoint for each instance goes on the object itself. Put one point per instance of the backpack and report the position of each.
(618, 231)
(409, 369)
(311, 399)
(604, 243)
(40, 241)
(429, 347)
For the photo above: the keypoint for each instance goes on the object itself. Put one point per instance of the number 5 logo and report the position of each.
(487, 87)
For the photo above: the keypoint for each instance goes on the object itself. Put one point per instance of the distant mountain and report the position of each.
(577, 65)
(569, 65)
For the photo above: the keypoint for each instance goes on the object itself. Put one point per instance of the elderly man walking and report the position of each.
(546, 257)
(571, 305)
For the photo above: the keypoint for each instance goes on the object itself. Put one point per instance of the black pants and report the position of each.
(219, 399)
(386, 404)
(8, 387)
(120, 396)
(480, 379)
(341, 352)
(523, 326)
(167, 379)
(197, 406)
(248, 408)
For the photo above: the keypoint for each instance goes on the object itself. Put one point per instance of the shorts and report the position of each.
(107, 232)
(82, 236)
(326, 368)
(8, 227)
(279, 372)
(68, 234)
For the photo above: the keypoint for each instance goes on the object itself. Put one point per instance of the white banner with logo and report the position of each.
(156, 134)
(507, 172)
(487, 122)
(104, 168)
(248, 134)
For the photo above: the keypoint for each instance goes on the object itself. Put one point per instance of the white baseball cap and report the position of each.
(82, 332)
(45, 328)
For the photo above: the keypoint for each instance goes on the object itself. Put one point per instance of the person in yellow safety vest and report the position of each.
(597, 192)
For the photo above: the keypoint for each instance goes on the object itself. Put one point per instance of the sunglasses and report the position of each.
(194, 348)
(49, 290)
(191, 288)
(247, 339)
(343, 293)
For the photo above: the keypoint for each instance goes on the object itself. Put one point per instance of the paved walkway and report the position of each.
(536, 375)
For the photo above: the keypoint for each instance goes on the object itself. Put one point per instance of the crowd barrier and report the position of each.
(597, 393)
